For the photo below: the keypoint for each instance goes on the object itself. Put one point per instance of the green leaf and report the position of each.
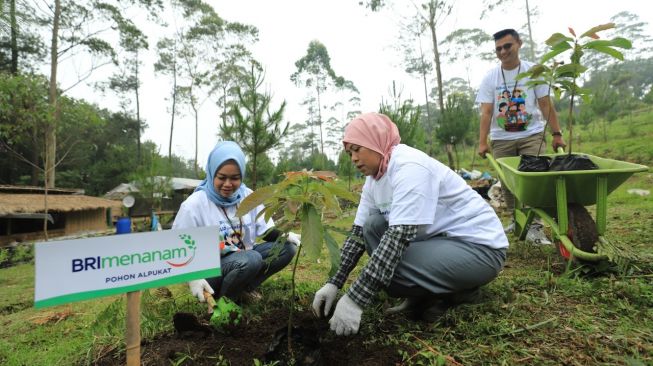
(536, 82)
(257, 197)
(557, 92)
(343, 193)
(610, 51)
(570, 70)
(329, 199)
(555, 51)
(312, 231)
(558, 38)
(566, 85)
(587, 98)
(599, 42)
(270, 210)
(621, 43)
(598, 28)
(338, 230)
(334, 252)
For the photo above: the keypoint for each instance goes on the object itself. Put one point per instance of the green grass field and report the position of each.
(534, 313)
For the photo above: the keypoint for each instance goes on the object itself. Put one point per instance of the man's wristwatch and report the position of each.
(556, 133)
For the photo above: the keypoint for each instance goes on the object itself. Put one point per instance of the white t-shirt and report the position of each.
(419, 190)
(198, 211)
(516, 114)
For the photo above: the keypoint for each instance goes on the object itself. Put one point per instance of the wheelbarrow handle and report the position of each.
(496, 167)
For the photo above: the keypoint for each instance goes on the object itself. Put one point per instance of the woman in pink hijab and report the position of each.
(431, 239)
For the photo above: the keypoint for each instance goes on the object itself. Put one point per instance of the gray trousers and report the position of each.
(438, 265)
(247, 269)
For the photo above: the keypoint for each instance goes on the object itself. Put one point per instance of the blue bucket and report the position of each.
(124, 225)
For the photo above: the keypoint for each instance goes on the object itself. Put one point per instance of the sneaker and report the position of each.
(408, 305)
(510, 227)
(536, 235)
(470, 296)
(434, 309)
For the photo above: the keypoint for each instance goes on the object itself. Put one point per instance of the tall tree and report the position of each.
(205, 41)
(416, 63)
(314, 72)
(127, 80)
(81, 31)
(455, 123)
(25, 115)
(167, 64)
(467, 44)
(431, 14)
(254, 125)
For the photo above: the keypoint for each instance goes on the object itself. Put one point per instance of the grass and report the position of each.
(535, 312)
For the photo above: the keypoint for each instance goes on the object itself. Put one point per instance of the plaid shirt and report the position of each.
(379, 270)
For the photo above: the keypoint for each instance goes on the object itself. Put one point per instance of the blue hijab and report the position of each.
(222, 152)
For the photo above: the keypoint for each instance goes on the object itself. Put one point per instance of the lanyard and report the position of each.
(238, 234)
(505, 85)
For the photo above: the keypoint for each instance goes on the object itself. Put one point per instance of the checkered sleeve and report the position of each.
(379, 270)
(350, 253)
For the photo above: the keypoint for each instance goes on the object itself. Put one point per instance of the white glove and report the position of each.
(198, 287)
(325, 296)
(295, 238)
(347, 317)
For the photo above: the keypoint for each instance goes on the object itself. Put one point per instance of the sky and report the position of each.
(360, 44)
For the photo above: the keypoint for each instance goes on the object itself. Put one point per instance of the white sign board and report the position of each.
(81, 269)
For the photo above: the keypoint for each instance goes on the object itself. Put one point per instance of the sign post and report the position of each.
(133, 336)
(82, 269)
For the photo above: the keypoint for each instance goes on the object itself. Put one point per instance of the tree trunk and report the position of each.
(426, 97)
(436, 53)
(174, 104)
(448, 148)
(319, 115)
(138, 112)
(196, 132)
(36, 148)
(14, 37)
(530, 32)
(51, 130)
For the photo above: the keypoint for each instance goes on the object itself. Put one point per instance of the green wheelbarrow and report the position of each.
(559, 199)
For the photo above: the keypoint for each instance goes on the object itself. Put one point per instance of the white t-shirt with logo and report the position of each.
(515, 113)
(419, 190)
(198, 211)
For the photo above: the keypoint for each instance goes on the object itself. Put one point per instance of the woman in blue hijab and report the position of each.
(244, 265)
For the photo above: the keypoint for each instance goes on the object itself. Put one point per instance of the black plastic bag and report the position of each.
(572, 162)
(532, 163)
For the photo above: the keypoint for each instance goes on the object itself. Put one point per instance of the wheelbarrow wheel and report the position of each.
(581, 231)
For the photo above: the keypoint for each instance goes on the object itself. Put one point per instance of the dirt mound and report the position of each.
(252, 340)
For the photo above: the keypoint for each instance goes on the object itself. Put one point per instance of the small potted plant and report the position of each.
(563, 77)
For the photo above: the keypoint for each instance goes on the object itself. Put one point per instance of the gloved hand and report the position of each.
(324, 299)
(347, 317)
(295, 238)
(198, 287)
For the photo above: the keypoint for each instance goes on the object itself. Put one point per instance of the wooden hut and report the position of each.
(22, 212)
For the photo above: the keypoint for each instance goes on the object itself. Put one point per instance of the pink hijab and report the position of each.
(376, 132)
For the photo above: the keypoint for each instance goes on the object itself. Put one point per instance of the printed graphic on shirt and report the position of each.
(512, 115)
(231, 241)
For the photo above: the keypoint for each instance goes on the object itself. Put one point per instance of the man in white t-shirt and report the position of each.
(515, 115)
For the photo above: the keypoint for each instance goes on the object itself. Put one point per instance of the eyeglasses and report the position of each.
(505, 47)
